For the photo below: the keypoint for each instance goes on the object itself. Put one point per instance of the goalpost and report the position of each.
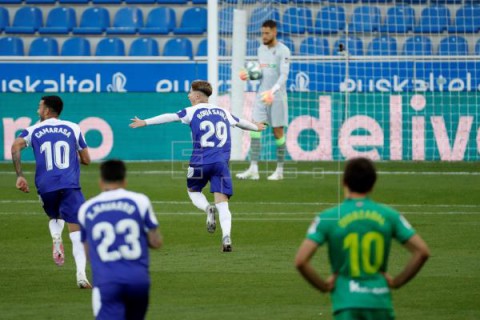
(382, 79)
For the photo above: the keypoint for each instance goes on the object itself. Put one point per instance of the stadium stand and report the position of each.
(467, 20)
(44, 46)
(194, 21)
(259, 15)
(330, 20)
(417, 46)
(434, 19)
(382, 46)
(40, 1)
(365, 19)
(94, 21)
(453, 46)
(110, 47)
(27, 20)
(144, 47)
(203, 48)
(314, 46)
(225, 18)
(288, 42)
(127, 20)
(11, 46)
(252, 46)
(178, 47)
(353, 45)
(76, 46)
(4, 18)
(60, 20)
(399, 19)
(160, 20)
(297, 20)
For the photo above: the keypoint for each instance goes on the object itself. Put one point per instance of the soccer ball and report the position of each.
(254, 70)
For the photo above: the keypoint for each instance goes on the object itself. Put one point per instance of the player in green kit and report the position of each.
(359, 233)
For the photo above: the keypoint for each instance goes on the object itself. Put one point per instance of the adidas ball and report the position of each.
(254, 70)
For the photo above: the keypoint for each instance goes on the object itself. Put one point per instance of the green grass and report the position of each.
(192, 279)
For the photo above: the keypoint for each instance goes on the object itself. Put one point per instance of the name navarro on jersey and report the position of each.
(209, 112)
(44, 131)
(110, 206)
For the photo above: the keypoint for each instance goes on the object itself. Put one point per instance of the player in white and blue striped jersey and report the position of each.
(118, 226)
(58, 147)
(210, 126)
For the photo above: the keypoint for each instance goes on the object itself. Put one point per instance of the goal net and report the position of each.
(377, 78)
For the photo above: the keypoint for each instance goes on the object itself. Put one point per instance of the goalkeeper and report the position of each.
(271, 102)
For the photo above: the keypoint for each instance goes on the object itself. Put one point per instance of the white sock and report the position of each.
(279, 167)
(254, 166)
(78, 252)
(56, 227)
(225, 218)
(199, 200)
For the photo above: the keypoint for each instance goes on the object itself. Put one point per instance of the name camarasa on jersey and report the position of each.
(40, 133)
(209, 112)
(110, 206)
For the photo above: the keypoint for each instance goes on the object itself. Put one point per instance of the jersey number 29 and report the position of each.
(219, 130)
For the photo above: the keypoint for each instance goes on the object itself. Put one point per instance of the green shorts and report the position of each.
(364, 314)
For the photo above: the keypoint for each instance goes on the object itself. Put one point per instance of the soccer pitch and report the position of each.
(193, 279)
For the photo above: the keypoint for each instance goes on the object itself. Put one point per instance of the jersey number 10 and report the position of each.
(362, 246)
(57, 155)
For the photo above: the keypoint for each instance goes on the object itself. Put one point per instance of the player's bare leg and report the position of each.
(280, 141)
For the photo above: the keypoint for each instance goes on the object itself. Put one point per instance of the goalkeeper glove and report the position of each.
(243, 74)
(267, 97)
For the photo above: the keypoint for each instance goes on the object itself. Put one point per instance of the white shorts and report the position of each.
(275, 115)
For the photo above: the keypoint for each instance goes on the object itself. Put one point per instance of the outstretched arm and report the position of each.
(163, 118)
(247, 125)
(17, 147)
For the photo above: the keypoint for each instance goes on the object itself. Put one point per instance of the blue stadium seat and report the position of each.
(178, 47)
(288, 42)
(40, 1)
(4, 18)
(377, 1)
(443, 2)
(11, 46)
(467, 20)
(194, 21)
(330, 20)
(161, 20)
(252, 47)
(314, 46)
(400, 19)
(343, 1)
(110, 47)
(197, 2)
(225, 20)
(244, 1)
(76, 46)
(418, 46)
(107, 1)
(140, 1)
(471, 2)
(10, 1)
(365, 19)
(351, 44)
(172, 1)
(434, 19)
(144, 47)
(128, 20)
(297, 20)
(382, 46)
(94, 21)
(412, 1)
(73, 1)
(44, 46)
(259, 15)
(60, 20)
(203, 48)
(453, 46)
(477, 48)
(27, 20)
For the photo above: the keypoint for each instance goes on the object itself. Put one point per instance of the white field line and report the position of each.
(279, 203)
(288, 173)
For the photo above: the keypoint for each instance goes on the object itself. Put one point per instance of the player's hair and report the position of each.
(113, 171)
(54, 103)
(202, 86)
(359, 175)
(269, 24)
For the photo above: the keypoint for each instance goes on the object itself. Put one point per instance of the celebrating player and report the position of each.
(210, 127)
(57, 146)
(118, 226)
(359, 233)
(271, 101)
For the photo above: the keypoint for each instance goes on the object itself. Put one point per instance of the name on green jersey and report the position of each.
(361, 215)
